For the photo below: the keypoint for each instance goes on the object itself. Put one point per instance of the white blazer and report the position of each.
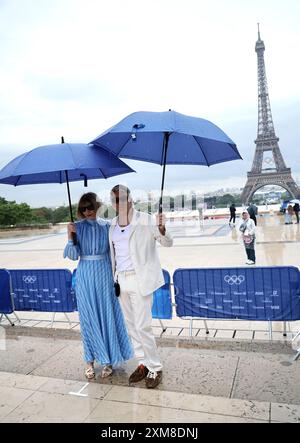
(143, 251)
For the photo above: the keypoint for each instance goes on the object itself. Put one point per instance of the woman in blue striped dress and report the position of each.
(103, 330)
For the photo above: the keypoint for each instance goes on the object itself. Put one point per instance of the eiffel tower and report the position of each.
(268, 166)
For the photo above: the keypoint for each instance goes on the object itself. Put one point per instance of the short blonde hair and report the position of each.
(121, 188)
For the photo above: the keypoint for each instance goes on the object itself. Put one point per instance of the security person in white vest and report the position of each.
(137, 269)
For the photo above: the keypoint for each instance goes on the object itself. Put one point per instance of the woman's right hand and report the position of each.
(71, 230)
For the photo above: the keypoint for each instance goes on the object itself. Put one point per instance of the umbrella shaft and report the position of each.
(166, 143)
(74, 236)
(69, 197)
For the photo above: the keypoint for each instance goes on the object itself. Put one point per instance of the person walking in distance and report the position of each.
(296, 210)
(138, 273)
(252, 210)
(248, 234)
(232, 210)
(289, 215)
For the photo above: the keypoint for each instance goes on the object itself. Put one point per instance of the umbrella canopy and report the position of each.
(192, 140)
(168, 138)
(62, 163)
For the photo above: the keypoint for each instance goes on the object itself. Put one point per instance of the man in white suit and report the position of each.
(137, 269)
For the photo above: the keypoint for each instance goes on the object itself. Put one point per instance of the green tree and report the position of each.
(42, 215)
(225, 200)
(12, 213)
(8, 213)
(23, 213)
(62, 214)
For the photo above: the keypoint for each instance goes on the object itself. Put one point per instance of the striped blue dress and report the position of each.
(103, 329)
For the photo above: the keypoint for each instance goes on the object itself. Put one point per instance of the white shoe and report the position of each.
(250, 262)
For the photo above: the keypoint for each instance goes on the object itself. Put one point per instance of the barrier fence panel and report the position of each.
(258, 293)
(6, 302)
(162, 300)
(43, 290)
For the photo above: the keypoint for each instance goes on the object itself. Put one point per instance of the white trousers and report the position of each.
(138, 316)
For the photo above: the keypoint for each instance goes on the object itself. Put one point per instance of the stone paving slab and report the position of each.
(275, 378)
(24, 354)
(10, 398)
(53, 400)
(42, 407)
(21, 381)
(285, 413)
(189, 372)
(247, 371)
(176, 326)
(202, 340)
(133, 413)
(192, 402)
(244, 335)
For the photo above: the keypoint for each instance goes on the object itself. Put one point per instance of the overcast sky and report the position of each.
(76, 67)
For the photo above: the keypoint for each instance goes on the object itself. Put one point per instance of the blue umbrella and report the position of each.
(168, 138)
(62, 163)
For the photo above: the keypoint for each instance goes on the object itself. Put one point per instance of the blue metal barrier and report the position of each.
(6, 303)
(73, 284)
(43, 290)
(258, 293)
(162, 301)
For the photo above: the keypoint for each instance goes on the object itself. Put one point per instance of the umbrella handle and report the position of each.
(74, 238)
(160, 205)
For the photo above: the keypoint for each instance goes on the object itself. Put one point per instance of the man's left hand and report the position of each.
(161, 223)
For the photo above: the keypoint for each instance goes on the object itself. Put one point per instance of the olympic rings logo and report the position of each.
(29, 279)
(234, 279)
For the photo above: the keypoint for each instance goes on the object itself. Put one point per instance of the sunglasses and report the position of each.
(86, 208)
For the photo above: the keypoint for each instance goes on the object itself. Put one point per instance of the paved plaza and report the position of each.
(234, 374)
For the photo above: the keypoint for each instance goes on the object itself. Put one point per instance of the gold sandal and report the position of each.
(90, 373)
(106, 371)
